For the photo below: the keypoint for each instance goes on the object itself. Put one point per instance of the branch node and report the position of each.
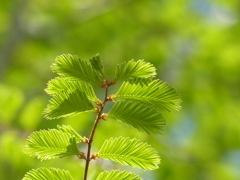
(106, 83)
(104, 116)
(96, 110)
(85, 140)
(110, 98)
(99, 102)
(82, 156)
(95, 156)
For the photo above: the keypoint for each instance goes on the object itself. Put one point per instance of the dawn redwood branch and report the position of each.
(98, 118)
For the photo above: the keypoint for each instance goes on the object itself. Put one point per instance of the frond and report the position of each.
(117, 175)
(156, 93)
(131, 152)
(96, 63)
(138, 115)
(47, 174)
(67, 104)
(72, 66)
(135, 69)
(70, 130)
(62, 84)
(50, 144)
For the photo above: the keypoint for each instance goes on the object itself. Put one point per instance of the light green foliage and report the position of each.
(138, 115)
(139, 102)
(131, 152)
(155, 93)
(117, 175)
(70, 130)
(72, 66)
(68, 103)
(62, 84)
(48, 174)
(51, 144)
(194, 45)
(135, 69)
(96, 63)
(58, 174)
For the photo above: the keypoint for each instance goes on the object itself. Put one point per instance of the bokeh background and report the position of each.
(194, 44)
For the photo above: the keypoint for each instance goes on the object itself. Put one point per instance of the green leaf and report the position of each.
(70, 130)
(117, 175)
(138, 115)
(72, 66)
(96, 63)
(62, 84)
(156, 93)
(51, 144)
(135, 69)
(131, 152)
(47, 174)
(67, 104)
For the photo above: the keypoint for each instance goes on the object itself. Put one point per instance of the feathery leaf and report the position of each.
(131, 152)
(156, 93)
(70, 130)
(96, 63)
(117, 175)
(62, 84)
(72, 66)
(138, 115)
(68, 104)
(135, 69)
(47, 174)
(51, 144)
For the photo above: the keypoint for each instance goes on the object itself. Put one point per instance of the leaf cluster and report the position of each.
(139, 103)
(53, 143)
(131, 152)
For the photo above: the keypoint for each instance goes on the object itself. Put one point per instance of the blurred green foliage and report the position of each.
(193, 43)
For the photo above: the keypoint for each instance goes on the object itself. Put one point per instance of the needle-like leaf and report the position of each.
(138, 115)
(117, 175)
(135, 69)
(96, 63)
(68, 104)
(62, 84)
(155, 93)
(51, 144)
(72, 66)
(70, 130)
(131, 152)
(47, 174)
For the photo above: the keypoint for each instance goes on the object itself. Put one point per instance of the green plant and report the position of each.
(138, 103)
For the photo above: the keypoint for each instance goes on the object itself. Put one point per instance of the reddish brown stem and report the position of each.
(98, 118)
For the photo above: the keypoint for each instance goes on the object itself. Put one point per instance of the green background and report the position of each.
(194, 45)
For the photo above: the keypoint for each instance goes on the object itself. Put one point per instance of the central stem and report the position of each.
(98, 118)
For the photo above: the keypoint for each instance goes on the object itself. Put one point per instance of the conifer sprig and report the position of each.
(139, 103)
